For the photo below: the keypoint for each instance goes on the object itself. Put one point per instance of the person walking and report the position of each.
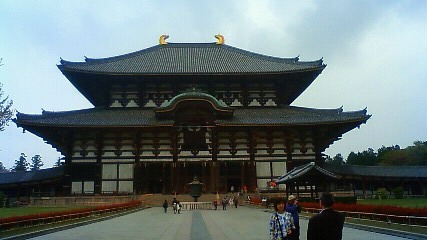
(281, 222)
(165, 205)
(230, 201)
(224, 203)
(294, 209)
(215, 203)
(328, 224)
(178, 207)
(175, 205)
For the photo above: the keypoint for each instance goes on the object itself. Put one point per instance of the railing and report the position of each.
(196, 205)
(408, 221)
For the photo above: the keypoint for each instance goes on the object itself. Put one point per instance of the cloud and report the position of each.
(375, 51)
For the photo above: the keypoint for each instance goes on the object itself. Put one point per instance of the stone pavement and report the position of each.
(153, 223)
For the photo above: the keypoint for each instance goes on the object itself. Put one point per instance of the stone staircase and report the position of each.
(156, 200)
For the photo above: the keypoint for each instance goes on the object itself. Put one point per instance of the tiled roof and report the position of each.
(22, 177)
(103, 117)
(304, 173)
(293, 116)
(191, 58)
(379, 171)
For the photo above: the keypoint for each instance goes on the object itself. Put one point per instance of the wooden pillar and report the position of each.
(212, 180)
(204, 178)
(242, 174)
(146, 169)
(164, 166)
(137, 178)
(252, 163)
(227, 176)
(316, 191)
(136, 151)
(175, 165)
(213, 168)
(364, 188)
(311, 191)
(178, 185)
(67, 141)
(289, 150)
(172, 179)
(98, 179)
(183, 183)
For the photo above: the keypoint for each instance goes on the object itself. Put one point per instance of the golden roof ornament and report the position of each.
(162, 39)
(220, 39)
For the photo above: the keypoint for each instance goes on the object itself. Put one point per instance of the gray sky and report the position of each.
(376, 52)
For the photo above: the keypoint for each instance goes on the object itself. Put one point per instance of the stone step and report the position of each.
(156, 200)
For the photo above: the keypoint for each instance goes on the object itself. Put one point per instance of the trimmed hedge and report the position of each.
(69, 214)
(379, 209)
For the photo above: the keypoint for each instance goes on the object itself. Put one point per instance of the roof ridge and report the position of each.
(294, 60)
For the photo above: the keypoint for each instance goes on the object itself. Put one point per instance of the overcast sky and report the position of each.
(375, 51)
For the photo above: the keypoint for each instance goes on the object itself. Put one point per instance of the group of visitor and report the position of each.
(284, 222)
(176, 205)
(227, 200)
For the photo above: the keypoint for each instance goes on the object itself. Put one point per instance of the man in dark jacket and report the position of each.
(328, 223)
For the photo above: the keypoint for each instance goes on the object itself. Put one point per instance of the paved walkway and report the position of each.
(153, 223)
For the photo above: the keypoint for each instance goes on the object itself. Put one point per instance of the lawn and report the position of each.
(407, 202)
(22, 211)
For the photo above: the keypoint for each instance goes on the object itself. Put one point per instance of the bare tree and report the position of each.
(6, 111)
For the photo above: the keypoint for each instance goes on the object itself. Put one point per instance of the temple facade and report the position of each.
(168, 113)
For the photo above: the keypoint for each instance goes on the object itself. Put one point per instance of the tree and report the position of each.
(418, 153)
(337, 160)
(3, 169)
(58, 162)
(382, 152)
(395, 158)
(21, 165)
(415, 155)
(6, 112)
(367, 158)
(36, 163)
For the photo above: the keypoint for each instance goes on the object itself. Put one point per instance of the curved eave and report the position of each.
(91, 126)
(65, 70)
(358, 122)
(32, 121)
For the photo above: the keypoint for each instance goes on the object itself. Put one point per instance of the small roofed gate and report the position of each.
(309, 180)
